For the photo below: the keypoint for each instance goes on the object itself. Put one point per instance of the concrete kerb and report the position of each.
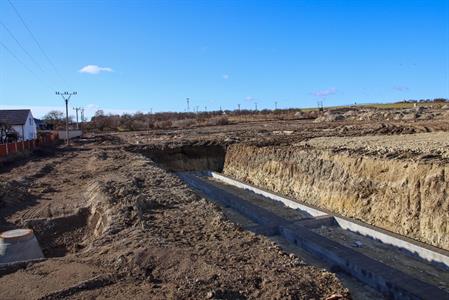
(287, 202)
(435, 256)
(389, 281)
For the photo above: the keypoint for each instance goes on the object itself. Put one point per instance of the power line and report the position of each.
(24, 65)
(21, 46)
(37, 42)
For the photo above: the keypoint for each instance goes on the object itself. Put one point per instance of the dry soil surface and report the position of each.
(112, 224)
(420, 145)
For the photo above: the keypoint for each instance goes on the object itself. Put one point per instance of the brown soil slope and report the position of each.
(395, 182)
(114, 225)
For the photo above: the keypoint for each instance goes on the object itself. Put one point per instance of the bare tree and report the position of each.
(54, 118)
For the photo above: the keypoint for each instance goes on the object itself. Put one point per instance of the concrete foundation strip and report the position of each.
(393, 283)
(427, 252)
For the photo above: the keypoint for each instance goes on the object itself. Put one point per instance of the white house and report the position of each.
(22, 121)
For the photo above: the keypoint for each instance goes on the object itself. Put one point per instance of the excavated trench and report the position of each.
(187, 157)
(336, 198)
(407, 197)
(402, 196)
(331, 193)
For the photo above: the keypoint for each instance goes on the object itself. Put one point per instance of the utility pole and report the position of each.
(66, 96)
(82, 116)
(205, 109)
(275, 105)
(77, 109)
(255, 105)
(320, 105)
(188, 104)
(238, 106)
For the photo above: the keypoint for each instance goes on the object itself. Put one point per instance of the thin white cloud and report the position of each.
(249, 98)
(94, 69)
(401, 88)
(225, 76)
(325, 92)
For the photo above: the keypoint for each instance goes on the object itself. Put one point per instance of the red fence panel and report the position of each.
(3, 150)
(12, 148)
(8, 149)
(19, 146)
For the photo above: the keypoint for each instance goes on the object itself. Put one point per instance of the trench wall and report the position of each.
(186, 158)
(406, 197)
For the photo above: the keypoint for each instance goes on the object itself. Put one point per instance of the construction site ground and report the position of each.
(113, 223)
(157, 240)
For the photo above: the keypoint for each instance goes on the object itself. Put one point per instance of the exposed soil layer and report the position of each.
(197, 157)
(272, 132)
(113, 224)
(398, 183)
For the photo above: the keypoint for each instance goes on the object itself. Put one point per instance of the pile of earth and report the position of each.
(12, 191)
(409, 114)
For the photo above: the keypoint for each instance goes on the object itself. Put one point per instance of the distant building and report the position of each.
(22, 121)
(43, 125)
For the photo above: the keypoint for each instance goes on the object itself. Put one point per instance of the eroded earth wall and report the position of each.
(404, 196)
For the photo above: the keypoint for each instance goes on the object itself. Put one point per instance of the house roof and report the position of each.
(14, 116)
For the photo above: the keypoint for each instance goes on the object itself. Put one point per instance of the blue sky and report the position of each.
(142, 55)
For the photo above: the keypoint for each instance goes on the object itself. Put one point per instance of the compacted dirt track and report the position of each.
(113, 224)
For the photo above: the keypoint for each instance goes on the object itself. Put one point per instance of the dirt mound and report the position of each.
(12, 193)
(62, 235)
(329, 116)
(14, 196)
